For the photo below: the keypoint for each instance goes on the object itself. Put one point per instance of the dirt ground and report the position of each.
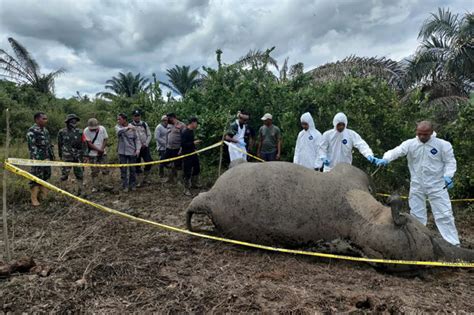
(104, 264)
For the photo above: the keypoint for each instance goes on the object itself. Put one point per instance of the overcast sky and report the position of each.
(94, 40)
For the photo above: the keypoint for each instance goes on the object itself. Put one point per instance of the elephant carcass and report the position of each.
(278, 203)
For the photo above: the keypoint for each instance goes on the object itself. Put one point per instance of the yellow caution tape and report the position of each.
(452, 200)
(29, 162)
(25, 174)
(243, 151)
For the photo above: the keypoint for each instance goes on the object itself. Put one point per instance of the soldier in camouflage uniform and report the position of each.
(71, 148)
(40, 148)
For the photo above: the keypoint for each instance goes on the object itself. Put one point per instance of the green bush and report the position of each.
(374, 110)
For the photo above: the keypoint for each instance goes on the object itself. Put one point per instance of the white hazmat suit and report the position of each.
(428, 163)
(308, 144)
(336, 147)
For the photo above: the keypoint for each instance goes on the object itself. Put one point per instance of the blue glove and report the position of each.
(242, 143)
(381, 162)
(326, 162)
(449, 182)
(371, 159)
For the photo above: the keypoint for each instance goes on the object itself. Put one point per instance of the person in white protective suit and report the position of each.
(236, 137)
(432, 166)
(337, 144)
(308, 144)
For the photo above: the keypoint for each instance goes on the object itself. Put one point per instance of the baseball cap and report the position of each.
(93, 124)
(164, 117)
(267, 116)
(136, 112)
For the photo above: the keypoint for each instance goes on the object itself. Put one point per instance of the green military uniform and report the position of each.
(71, 148)
(40, 148)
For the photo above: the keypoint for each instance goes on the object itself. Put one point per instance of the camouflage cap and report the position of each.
(71, 116)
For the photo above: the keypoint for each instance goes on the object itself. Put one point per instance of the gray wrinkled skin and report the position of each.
(284, 204)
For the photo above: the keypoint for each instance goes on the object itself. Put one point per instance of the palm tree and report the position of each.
(258, 59)
(23, 68)
(125, 85)
(443, 65)
(391, 71)
(289, 73)
(181, 79)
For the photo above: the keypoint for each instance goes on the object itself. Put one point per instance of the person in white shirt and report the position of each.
(96, 138)
(432, 166)
(308, 144)
(236, 137)
(337, 144)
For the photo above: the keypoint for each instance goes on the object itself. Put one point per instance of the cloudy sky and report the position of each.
(94, 40)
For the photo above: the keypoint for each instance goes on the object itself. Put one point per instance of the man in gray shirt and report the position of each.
(173, 145)
(144, 134)
(161, 137)
(128, 149)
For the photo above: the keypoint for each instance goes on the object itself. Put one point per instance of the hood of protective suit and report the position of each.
(339, 118)
(306, 118)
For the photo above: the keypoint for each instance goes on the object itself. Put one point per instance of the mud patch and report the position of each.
(103, 264)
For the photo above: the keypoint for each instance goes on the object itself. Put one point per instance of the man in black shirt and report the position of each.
(191, 163)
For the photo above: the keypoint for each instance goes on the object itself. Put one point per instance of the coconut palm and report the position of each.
(23, 68)
(182, 79)
(257, 59)
(125, 85)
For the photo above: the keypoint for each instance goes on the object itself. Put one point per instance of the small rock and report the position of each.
(5, 270)
(23, 264)
(42, 271)
(81, 282)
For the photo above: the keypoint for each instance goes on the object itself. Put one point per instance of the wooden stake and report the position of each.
(221, 154)
(6, 239)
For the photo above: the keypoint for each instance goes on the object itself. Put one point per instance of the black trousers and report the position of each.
(191, 166)
(162, 157)
(146, 156)
(171, 153)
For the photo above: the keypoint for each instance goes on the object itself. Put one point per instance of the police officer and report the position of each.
(71, 148)
(40, 148)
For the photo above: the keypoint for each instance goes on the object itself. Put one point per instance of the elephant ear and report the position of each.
(368, 208)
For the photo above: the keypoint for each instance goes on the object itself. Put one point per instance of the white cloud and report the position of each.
(94, 40)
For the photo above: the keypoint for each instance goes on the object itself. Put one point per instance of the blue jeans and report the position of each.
(127, 174)
(269, 156)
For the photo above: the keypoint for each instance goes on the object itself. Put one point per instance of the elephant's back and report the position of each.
(278, 203)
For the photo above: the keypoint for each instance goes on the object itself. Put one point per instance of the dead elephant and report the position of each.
(284, 204)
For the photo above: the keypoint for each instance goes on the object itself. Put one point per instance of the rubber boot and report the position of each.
(145, 178)
(94, 185)
(34, 196)
(140, 179)
(187, 187)
(195, 182)
(172, 177)
(44, 192)
(80, 187)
